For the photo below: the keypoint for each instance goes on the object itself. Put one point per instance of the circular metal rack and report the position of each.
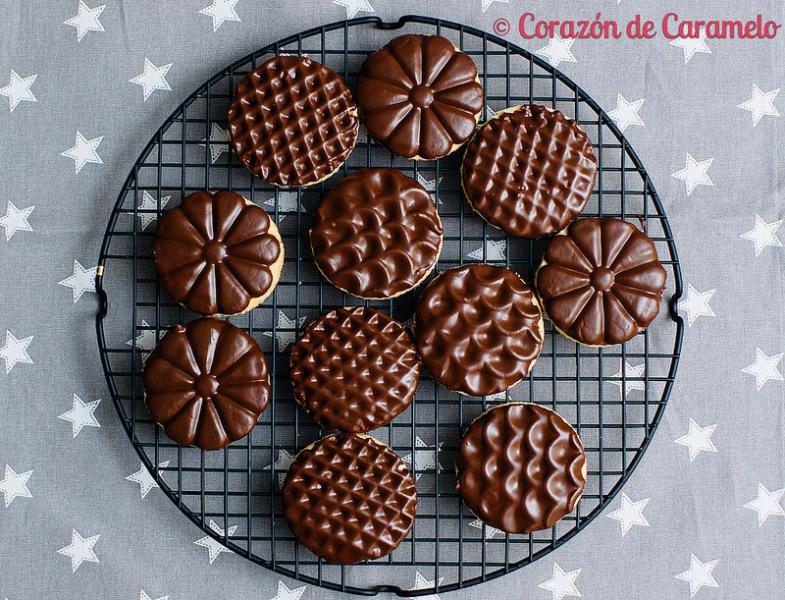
(614, 397)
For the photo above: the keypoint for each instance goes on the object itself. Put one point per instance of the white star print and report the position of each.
(145, 596)
(558, 50)
(763, 234)
(221, 11)
(80, 550)
(489, 112)
(81, 415)
(691, 46)
(84, 151)
(15, 351)
(284, 593)
(145, 342)
(15, 485)
(83, 280)
(286, 331)
(219, 142)
(699, 575)
(15, 220)
(761, 104)
(354, 6)
(421, 583)
(490, 532)
(562, 584)
(767, 504)
(630, 513)
(429, 184)
(698, 439)
(695, 173)
(86, 19)
(696, 304)
(145, 479)
(287, 202)
(149, 203)
(626, 113)
(18, 89)
(630, 372)
(281, 466)
(423, 459)
(486, 4)
(494, 250)
(765, 368)
(214, 547)
(152, 78)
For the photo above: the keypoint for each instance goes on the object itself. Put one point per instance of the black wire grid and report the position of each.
(234, 495)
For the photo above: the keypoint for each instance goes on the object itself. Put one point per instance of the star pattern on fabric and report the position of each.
(767, 504)
(15, 351)
(761, 104)
(81, 415)
(144, 342)
(765, 368)
(281, 466)
(84, 151)
(425, 456)
(145, 596)
(495, 250)
(19, 90)
(699, 575)
(698, 439)
(149, 203)
(145, 480)
(630, 514)
(15, 219)
(214, 547)
(423, 583)
(631, 375)
(82, 280)
(221, 11)
(763, 234)
(354, 6)
(558, 50)
(14, 485)
(287, 203)
(286, 331)
(152, 78)
(86, 19)
(692, 46)
(695, 173)
(696, 304)
(490, 532)
(80, 550)
(430, 185)
(626, 113)
(486, 4)
(219, 142)
(284, 593)
(562, 583)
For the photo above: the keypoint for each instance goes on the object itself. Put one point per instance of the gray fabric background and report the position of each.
(695, 507)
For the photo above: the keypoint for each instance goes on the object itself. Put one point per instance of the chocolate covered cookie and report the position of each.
(292, 121)
(520, 467)
(478, 329)
(354, 369)
(218, 253)
(529, 171)
(420, 96)
(377, 234)
(206, 383)
(601, 282)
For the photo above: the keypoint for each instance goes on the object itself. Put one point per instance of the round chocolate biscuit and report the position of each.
(349, 498)
(354, 369)
(420, 96)
(478, 329)
(529, 171)
(520, 467)
(600, 281)
(292, 121)
(206, 383)
(218, 254)
(377, 234)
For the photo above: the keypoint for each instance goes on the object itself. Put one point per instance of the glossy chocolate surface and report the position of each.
(521, 468)
(419, 96)
(206, 383)
(349, 498)
(601, 283)
(529, 171)
(376, 234)
(354, 369)
(478, 329)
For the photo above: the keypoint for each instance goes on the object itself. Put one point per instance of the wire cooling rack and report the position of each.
(614, 397)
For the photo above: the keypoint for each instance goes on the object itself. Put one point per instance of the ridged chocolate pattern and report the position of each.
(292, 121)
(213, 253)
(354, 369)
(419, 96)
(349, 498)
(521, 468)
(529, 171)
(206, 383)
(601, 283)
(376, 234)
(478, 329)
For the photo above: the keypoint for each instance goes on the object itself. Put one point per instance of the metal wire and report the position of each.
(233, 495)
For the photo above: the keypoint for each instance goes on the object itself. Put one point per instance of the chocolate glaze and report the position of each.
(376, 234)
(354, 369)
(521, 468)
(420, 96)
(206, 383)
(478, 329)
(601, 283)
(349, 498)
(529, 171)
(217, 254)
(292, 121)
